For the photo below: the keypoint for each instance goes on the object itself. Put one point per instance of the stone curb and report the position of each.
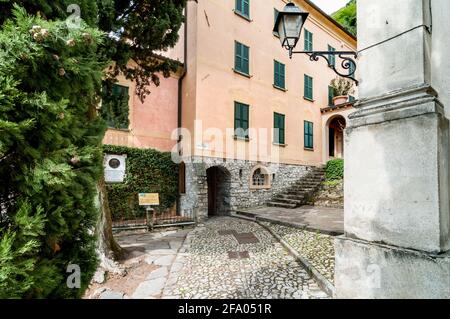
(323, 282)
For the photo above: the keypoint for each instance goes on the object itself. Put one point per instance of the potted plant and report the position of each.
(342, 88)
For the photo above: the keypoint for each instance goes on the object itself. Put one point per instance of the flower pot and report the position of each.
(341, 99)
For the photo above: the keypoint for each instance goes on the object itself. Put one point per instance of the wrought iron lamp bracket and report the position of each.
(348, 59)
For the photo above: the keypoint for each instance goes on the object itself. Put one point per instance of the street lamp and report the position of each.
(289, 26)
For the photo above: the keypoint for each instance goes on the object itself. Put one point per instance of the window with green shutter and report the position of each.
(241, 120)
(331, 58)
(115, 106)
(330, 95)
(308, 89)
(279, 75)
(241, 58)
(308, 41)
(243, 7)
(351, 98)
(279, 129)
(309, 134)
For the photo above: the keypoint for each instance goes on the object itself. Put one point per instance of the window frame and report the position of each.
(281, 130)
(278, 76)
(241, 109)
(308, 135)
(309, 40)
(242, 54)
(308, 87)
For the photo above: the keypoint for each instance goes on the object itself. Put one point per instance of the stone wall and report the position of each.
(240, 194)
(330, 195)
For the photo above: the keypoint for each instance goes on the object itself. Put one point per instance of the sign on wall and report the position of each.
(115, 166)
(148, 199)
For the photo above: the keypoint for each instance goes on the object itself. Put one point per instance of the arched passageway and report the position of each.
(336, 126)
(219, 180)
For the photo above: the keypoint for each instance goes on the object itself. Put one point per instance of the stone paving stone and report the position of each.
(164, 260)
(158, 273)
(149, 288)
(268, 272)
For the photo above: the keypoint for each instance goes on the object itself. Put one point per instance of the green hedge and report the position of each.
(335, 170)
(147, 171)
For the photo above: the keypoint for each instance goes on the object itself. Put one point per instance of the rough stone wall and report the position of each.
(240, 194)
(330, 195)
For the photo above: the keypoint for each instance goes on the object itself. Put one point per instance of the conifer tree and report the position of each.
(50, 135)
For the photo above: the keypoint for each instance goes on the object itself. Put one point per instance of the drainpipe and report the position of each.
(180, 90)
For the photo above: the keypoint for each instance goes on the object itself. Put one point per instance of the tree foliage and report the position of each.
(50, 154)
(50, 136)
(347, 16)
(136, 28)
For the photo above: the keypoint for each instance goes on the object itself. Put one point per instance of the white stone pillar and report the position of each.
(397, 220)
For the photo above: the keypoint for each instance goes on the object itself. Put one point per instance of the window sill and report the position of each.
(276, 35)
(280, 145)
(308, 99)
(243, 16)
(239, 138)
(279, 88)
(309, 149)
(242, 73)
(255, 188)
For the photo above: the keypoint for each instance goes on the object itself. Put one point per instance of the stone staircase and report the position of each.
(299, 194)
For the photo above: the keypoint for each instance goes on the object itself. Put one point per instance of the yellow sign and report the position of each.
(149, 199)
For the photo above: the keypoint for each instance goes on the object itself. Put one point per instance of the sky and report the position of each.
(330, 6)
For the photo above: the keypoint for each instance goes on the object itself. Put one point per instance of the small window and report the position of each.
(182, 178)
(330, 95)
(115, 106)
(260, 178)
(243, 7)
(279, 75)
(351, 98)
(279, 129)
(331, 57)
(308, 88)
(241, 58)
(241, 120)
(309, 45)
(309, 135)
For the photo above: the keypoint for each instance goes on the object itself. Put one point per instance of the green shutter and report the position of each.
(331, 58)
(115, 107)
(275, 16)
(279, 75)
(243, 7)
(241, 119)
(241, 58)
(330, 95)
(352, 68)
(279, 128)
(308, 41)
(308, 87)
(309, 134)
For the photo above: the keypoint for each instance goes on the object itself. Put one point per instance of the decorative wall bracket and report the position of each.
(347, 61)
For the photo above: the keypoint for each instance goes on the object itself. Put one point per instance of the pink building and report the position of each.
(254, 121)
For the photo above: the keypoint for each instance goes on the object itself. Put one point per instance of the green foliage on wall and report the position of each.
(335, 170)
(147, 171)
(347, 16)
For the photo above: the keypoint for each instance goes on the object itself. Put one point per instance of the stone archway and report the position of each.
(219, 185)
(335, 136)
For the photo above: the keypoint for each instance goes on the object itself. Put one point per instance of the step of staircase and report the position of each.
(297, 194)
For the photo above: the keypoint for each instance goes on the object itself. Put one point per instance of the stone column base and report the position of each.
(367, 270)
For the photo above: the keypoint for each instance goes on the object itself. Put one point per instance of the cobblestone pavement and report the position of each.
(235, 258)
(317, 248)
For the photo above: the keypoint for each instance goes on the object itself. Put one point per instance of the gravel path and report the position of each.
(317, 248)
(234, 258)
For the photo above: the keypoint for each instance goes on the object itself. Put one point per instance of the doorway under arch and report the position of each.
(336, 126)
(219, 185)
